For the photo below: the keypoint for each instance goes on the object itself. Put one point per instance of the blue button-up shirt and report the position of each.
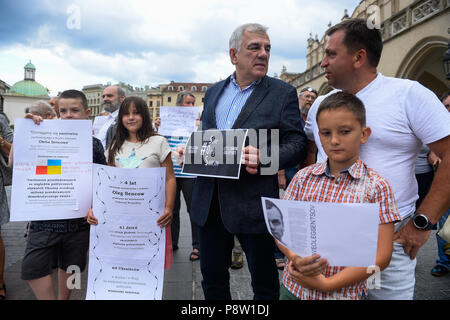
(231, 102)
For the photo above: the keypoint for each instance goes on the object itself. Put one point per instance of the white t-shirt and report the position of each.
(101, 135)
(402, 114)
(149, 154)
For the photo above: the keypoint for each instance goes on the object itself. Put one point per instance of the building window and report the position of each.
(203, 99)
(180, 88)
(170, 88)
(204, 88)
(151, 103)
(194, 88)
(169, 99)
(158, 103)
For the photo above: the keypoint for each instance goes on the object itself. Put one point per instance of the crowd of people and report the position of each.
(373, 139)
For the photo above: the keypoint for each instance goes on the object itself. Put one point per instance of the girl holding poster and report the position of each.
(137, 145)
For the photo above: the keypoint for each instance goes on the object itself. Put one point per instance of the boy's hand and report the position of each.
(318, 282)
(90, 218)
(309, 266)
(166, 219)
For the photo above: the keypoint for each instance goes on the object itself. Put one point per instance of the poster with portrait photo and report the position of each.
(215, 153)
(346, 234)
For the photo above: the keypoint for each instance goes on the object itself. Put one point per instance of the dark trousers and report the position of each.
(424, 181)
(185, 185)
(216, 245)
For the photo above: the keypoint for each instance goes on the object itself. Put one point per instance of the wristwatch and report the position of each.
(422, 222)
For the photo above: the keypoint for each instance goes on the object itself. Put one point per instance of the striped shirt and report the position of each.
(357, 184)
(231, 102)
(174, 142)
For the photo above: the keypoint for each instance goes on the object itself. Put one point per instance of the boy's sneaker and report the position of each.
(439, 271)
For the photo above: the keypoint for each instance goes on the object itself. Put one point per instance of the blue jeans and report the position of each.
(443, 260)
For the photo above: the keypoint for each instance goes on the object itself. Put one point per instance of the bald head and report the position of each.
(112, 98)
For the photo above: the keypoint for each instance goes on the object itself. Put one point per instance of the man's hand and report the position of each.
(411, 238)
(179, 155)
(282, 179)
(251, 159)
(36, 119)
(157, 123)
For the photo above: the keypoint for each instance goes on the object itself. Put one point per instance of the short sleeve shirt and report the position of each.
(148, 154)
(403, 115)
(357, 184)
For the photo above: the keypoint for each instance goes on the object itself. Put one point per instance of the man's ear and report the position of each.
(359, 58)
(233, 56)
(88, 112)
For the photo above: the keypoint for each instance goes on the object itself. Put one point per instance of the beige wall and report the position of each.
(14, 106)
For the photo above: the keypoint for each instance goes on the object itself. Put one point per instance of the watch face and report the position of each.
(420, 221)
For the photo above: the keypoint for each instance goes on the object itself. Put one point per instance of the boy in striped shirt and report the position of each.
(343, 178)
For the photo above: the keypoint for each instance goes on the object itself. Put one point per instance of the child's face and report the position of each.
(341, 135)
(132, 120)
(72, 109)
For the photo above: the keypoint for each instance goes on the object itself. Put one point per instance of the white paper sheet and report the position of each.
(99, 121)
(177, 121)
(127, 247)
(346, 234)
(52, 170)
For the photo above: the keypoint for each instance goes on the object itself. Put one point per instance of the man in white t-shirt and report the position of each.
(112, 98)
(402, 114)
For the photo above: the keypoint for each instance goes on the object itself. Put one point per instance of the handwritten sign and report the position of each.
(177, 121)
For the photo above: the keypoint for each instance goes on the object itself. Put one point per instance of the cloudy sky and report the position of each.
(75, 43)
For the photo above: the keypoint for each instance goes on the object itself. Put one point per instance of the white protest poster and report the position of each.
(99, 121)
(177, 121)
(127, 247)
(52, 170)
(346, 234)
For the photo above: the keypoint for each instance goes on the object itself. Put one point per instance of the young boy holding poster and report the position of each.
(59, 243)
(343, 178)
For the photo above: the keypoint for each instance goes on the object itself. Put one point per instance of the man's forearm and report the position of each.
(437, 200)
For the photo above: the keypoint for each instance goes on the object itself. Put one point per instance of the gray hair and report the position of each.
(42, 108)
(236, 36)
(181, 96)
(121, 92)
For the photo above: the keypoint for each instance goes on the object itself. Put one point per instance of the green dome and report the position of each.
(29, 65)
(29, 88)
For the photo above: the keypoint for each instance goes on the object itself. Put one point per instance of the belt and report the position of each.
(75, 225)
